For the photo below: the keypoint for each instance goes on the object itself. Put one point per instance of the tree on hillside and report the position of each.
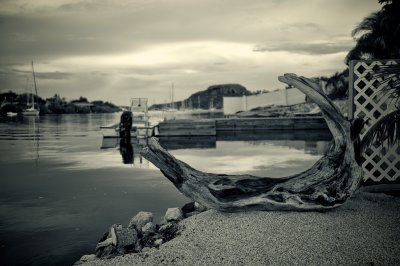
(56, 104)
(378, 35)
(80, 100)
(337, 85)
(8, 96)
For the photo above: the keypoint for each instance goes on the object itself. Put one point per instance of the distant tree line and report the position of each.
(13, 102)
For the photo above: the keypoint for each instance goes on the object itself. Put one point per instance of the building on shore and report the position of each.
(284, 97)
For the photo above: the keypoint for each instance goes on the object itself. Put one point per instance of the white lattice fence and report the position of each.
(366, 101)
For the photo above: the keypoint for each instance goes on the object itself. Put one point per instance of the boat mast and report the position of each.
(172, 96)
(34, 82)
(28, 90)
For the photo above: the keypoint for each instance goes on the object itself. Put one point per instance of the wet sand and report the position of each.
(364, 231)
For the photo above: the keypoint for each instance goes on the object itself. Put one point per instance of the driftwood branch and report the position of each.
(325, 185)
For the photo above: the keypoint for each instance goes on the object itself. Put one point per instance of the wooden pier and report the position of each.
(201, 127)
(270, 123)
(210, 127)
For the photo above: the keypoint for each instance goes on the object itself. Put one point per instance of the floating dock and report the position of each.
(200, 127)
(270, 123)
(210, 127)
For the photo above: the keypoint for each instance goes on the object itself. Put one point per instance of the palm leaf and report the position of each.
(366, 25)
(389, 76)
(386, 129)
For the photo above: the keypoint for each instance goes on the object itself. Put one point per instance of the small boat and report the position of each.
(31, 112)
(12, 114)
(140, 121)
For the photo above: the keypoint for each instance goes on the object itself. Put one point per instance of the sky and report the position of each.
(114, 50)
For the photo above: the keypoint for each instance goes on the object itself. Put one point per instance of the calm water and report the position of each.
(62, 185)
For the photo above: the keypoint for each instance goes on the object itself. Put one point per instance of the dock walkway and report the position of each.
(210, 127)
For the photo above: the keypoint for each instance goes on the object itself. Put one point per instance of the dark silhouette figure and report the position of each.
(125, 124)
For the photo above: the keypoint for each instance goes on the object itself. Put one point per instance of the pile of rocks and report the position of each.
(142, 233)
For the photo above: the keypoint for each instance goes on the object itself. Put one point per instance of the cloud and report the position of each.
(54, 75)
(84, 6)
(116, 48)
(319, 48)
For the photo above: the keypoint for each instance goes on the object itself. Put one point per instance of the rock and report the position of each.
(198, 207)
(173, 214)
(189, 214)
(126, 237)
(149, 228)
(192, 208)
(141, 234)
(120, 240)
(141, 219)
(105, 236)
(158, 242)
(146, 249)
(108, 239)
(168, 231)
(188, 207)
(147, 240)
(86, 258)
(162, 222)
(106, 252)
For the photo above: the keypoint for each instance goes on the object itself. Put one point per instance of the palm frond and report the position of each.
(389, 76)
(366, 25)
(385, 131)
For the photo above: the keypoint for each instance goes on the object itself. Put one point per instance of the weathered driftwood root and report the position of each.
(325, 185)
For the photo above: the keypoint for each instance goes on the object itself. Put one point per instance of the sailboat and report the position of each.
(172, 105)
(31, 110)
(171, 112)
(212, 109)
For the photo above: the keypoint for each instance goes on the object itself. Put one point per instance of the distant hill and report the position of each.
(211, 97)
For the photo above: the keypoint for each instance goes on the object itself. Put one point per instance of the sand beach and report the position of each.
(364, 231)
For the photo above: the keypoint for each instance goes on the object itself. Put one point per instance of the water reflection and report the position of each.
(188, 142)
(274, 153)
(129, 149)
(126, 150)
(34, 129)
(314, 142)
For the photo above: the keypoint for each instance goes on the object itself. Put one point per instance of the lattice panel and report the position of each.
(379, 162)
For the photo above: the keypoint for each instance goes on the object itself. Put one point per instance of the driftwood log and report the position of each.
(326, 185)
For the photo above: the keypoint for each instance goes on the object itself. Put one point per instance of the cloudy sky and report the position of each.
(116, 49)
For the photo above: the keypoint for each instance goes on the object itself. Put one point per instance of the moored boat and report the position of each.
(139, 125)
(31, 110)
(12, 114)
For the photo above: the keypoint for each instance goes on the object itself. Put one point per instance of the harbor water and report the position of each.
(62, 185)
